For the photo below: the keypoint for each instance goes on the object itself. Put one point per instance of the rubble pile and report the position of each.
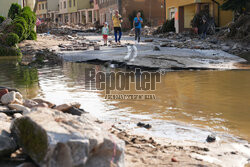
(239, 30)
(37, 131)
(192, 41)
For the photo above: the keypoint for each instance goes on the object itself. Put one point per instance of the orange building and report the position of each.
(184, 10)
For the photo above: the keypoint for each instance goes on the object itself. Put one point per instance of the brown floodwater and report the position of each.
(213, 100)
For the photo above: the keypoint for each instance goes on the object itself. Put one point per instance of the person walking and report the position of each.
(204, 27)
(117, 20)
(137, 26)
(105, 33)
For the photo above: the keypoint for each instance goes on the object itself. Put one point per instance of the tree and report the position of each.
(237, 6)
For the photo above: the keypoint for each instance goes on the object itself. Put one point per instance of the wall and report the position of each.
(189, 12)
(61, 6)
(152, 9)
(84, 4)
(73, 7)
(53, 5)
(5, 6)
(41, 7)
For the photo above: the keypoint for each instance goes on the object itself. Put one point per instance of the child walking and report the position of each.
(105, 33)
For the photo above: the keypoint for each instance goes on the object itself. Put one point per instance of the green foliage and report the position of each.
(12, 39)
(168, 26)
(14, 10)
(9, 51)
(19, 30)
(2, 19)
(235, 5)
(197, 20)
(32, 35)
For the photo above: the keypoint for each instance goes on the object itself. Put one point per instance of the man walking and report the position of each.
(138, 25)
(117, 20)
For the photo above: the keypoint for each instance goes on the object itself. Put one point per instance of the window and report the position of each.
(74, 2)
(39, 6)
(46, 6)
(70, 3)
(43, 6)
(64, 3)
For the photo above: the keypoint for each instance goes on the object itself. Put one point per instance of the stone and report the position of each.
(12, 97)
(65, 107)
(54, 138)
(96, 47)
(4, 108)
(41, 101)
(211, 138)
(19, 107)
(164, 44)
(7, 145)
(156, 48)
(3, 92)
(149, 40)
(30, 103)
(75, 111)
(174, 159)
(17, 115)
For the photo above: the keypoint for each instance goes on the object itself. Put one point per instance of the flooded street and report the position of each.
(214, 100)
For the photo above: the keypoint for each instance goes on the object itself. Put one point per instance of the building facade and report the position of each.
(42, 9)
(153, 11)
(184, 11)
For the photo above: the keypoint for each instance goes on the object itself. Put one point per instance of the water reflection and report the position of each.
(23, 78)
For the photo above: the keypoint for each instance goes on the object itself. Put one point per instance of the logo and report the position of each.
(139, 80)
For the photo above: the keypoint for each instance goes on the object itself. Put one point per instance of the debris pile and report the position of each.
(38, 131)
(239, 30)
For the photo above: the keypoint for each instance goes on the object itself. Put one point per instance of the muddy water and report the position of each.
(214, 100)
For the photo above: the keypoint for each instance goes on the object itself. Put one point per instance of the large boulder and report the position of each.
(12, 97)
(19, 107)
(7, 144)
(52, 138)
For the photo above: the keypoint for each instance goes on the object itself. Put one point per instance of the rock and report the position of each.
(30, 103)
(3, 108)
(96, 47)
(41, 101)
(54, 138)
(164, 44)
(65, 107)
(225, 48)
(149, 40)
(174, 159)
(3, 92)
(75, 111)
(19, 107)
(156, 48)
(211, 138)
(12, 97)
(147, 126)
(140, 124)
(7, 144)
(17, 115)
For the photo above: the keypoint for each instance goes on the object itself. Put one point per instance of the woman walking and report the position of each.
(117, 20)
(138, 25)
